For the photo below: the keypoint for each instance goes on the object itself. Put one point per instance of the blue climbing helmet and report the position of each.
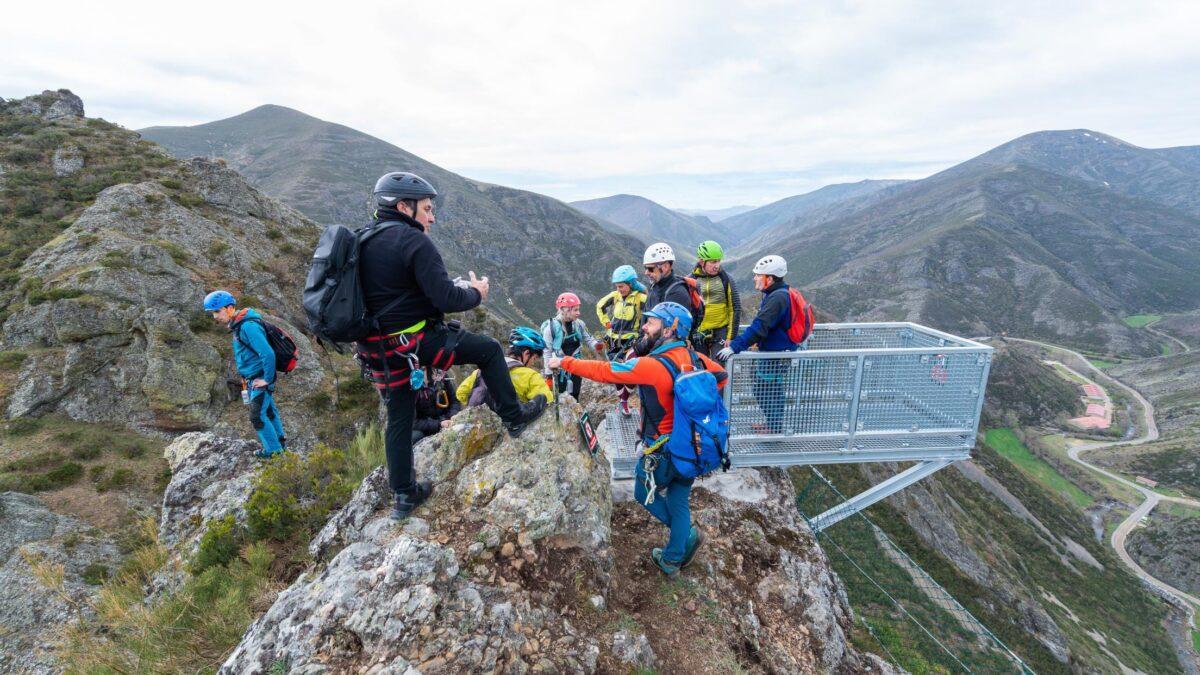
(624, 274)
(218, 300)
(524, 337)
(673, 315)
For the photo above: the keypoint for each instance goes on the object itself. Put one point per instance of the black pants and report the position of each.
(474, 349)
(576, 384)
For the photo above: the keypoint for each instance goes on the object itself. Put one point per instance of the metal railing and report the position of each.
(854, 392)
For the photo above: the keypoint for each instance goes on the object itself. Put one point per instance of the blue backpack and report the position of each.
(700, 434)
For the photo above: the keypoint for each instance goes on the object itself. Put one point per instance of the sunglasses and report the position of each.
(651, 268)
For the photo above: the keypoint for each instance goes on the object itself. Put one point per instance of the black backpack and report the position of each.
(286, 352)
(333, 295)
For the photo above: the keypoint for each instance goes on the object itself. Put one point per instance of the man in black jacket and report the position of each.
(403, 276)
(665, 286)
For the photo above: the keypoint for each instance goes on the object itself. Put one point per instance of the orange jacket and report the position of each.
(655, 382)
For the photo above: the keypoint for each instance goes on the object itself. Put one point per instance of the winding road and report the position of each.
(1151, 498)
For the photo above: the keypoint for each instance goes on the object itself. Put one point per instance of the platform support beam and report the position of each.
(868, 497)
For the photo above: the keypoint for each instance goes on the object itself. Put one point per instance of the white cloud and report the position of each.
(642, 95)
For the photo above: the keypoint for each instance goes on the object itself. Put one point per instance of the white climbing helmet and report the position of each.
(773, 265)
(658, 253)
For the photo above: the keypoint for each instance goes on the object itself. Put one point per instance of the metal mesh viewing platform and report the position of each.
(854, 392)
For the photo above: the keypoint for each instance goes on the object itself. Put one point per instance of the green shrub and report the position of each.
(59, 477)
(23, 426)
(134, 449)
(217, 248)
(115, 260)
(39, 461)
(177, 252)
(119, 478)
(95, 574)
(37, 297)
(294, 494)
(11, 360)
(219, 544)
(273, 233)
(96, 473)
(171, 184)
(22, 155)
(86, 452)
(187, 199)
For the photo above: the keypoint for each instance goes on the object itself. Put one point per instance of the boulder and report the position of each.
(432, 595)
(211, 478)
(67, 160)
(32, 605)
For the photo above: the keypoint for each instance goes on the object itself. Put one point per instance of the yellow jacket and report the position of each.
(621, 316)
(722, 305)
(527, 381)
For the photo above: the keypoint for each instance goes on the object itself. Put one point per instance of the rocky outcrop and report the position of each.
(112, 304)
(467, 585)
(211, 478)
(50, 105)
(70, 560)
(519, 563)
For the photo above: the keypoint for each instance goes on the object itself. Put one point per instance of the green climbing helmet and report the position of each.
(710, 250)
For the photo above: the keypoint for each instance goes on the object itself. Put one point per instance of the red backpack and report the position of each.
(697, 300)
(802, 317)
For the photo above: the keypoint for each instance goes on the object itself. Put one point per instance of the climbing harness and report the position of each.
(650, 459)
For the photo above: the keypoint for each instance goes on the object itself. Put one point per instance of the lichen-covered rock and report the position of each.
(30, 611)
(432, 595)
(633, 649)
(51, 105)
(211, 478)
(67, 160)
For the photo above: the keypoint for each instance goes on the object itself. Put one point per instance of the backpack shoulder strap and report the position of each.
(672, 369)
(237, 329)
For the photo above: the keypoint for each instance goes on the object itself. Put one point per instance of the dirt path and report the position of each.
(1151, 498)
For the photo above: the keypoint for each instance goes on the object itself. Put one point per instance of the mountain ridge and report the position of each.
(531, 246)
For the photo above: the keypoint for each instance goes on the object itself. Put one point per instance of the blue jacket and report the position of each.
(251, 351)
(769, 328)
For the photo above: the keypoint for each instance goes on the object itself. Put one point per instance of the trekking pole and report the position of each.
(552, 382)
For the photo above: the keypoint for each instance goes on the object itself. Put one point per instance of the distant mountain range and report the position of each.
(1055, 235)
(717, 215)
(651, 221)
(531, 246)
(786, 216)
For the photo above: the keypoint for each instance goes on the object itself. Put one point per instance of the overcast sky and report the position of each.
(693, 104)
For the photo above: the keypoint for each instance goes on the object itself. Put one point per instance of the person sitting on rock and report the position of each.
(255, 362)
(665, 330)
(435, 404)
(525, 345)
(408, 293)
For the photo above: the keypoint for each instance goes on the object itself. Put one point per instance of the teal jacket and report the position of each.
(251, 351)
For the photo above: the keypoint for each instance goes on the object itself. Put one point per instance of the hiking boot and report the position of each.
(695, 540)
(529, 412)
(267, 454)
(624, 408)
(406, 503)
(666, 566)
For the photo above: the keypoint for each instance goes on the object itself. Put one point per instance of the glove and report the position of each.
(724, 354)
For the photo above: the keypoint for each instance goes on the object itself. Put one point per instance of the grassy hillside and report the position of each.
(1013, 538)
